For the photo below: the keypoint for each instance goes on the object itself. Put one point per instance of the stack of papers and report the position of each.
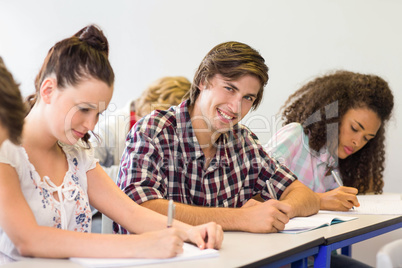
(304, 224)
(190, 252)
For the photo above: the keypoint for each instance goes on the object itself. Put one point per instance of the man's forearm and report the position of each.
(303, 200)
(229, 218)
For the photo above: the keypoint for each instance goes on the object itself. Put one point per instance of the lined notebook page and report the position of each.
(379, 204)
(386, 204)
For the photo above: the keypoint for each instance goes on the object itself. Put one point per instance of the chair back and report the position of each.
(390, 255)
(107, 225)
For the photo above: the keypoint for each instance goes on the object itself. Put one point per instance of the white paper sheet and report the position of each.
(189, 252)
(385, 204)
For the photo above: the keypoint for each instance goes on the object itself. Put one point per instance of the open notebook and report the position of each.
(304, 224)
(190, 252)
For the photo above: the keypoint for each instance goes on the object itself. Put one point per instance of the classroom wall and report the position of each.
(154, 38)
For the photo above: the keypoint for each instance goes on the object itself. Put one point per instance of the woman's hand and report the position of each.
(166, 243)
(341, 199)
(209, 235)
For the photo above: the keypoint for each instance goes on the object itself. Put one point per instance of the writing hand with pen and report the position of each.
(209, 235)
(341, 198)
(271, 216)
(168, 242)
(268, 216)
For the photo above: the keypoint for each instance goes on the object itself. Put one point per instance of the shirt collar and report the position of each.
(192, 149)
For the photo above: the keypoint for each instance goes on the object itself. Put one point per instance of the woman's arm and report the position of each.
(266, 217)
(114, 203)
(31, 239)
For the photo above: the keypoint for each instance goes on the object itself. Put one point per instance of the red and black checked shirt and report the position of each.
(163, 159)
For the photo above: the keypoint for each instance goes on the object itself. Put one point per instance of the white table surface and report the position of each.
(240, 248)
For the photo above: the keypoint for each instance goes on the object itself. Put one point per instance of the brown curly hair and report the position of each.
(334, 94)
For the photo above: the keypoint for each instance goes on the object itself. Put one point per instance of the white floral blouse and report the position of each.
(72, 211)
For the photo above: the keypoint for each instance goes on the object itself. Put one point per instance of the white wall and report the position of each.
(154, 38)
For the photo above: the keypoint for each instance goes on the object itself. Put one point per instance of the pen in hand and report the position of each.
(171, 212)
(337, 178)
(271, 189)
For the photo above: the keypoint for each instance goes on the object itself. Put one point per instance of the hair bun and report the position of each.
(94, 37)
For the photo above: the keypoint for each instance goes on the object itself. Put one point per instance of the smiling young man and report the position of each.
(198, 154)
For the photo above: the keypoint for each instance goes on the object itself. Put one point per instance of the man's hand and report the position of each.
(265, 217)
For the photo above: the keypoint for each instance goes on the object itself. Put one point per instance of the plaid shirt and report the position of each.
(163, 159)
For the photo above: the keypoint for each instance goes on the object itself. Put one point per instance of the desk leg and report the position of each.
(347, 251)
(323, 257)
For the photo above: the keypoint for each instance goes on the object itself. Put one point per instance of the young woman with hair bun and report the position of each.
(49, 181)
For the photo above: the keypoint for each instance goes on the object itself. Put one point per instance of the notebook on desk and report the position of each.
(190, 252)
(379, 204)
(304, 224)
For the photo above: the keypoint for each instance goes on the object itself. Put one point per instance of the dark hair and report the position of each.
(73, 59)
(232, 60)
(330, 97)
(12, 109)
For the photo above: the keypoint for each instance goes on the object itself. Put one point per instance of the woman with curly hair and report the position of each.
(336, 123)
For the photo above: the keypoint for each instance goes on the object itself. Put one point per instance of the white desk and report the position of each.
(271, 250)
(238, 249)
